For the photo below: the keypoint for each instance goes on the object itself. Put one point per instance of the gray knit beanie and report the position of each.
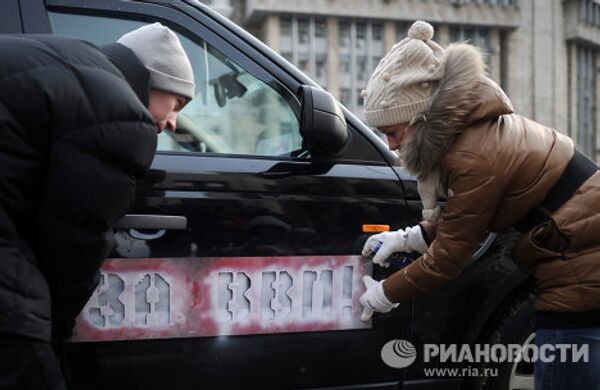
(161, 53)
(405, 79)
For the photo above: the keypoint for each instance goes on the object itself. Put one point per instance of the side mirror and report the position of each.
(322, 122)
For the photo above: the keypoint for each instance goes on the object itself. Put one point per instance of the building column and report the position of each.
(389, 35)
(560, 109)
(520, 82)
(271, 32)
(443, 35)
(573, 101)
(544, 83)
(333, 83)
(596, 110)
(223, 7)
(495, 54)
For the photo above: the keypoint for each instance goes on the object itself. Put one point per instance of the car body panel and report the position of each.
(197, 297)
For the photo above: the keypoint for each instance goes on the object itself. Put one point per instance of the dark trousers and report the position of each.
(28, 364)
(567, 374)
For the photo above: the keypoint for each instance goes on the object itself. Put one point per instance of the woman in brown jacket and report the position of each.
(454, 129)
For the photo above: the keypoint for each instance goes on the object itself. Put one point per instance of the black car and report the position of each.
(239, 266)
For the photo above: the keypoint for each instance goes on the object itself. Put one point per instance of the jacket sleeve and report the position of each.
(89, 186)
(24, 295)
(475, 190)
(429, 231)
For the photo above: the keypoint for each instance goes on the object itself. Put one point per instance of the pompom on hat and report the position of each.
(405, 79)
(421, 30)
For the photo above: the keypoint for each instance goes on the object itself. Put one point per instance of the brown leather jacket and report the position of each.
(495, 167)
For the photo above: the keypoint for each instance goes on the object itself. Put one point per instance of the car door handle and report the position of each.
(269, 174)
(150, 221)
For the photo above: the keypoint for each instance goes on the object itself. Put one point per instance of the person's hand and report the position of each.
(388, 242)
(374, 299)
(403, 241)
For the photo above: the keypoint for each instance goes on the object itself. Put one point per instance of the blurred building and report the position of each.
(223, 7)
(545, 53)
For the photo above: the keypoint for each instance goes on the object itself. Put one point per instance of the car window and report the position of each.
(233, 111)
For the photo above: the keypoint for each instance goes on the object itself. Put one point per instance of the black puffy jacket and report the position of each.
(74, 136)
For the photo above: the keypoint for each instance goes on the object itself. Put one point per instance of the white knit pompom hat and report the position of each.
(161, 53)
(404, 80)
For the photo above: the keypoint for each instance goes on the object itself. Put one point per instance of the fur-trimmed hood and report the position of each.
(463, 96)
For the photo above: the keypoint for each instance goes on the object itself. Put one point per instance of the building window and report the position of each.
(345, 97)
(304, 43)
(489, 2)
(344, 35)
(320, 51)
(477, 36)
(402, 30)
(320, 68)
(303, 33)
(345, 63)
(304, 62)
(345, 70)
(362, 72)
(361, 48)
(586, 105)
(377, 32)
(359, 99)
(589, 12)
(320, 29)
(361, 38)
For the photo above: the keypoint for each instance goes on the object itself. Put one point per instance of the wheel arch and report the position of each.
(518, 287)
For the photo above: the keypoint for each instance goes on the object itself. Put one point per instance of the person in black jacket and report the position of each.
(78, 126)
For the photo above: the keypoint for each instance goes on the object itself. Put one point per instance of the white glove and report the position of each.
(374, 299)
(405, 241)
(388, 242)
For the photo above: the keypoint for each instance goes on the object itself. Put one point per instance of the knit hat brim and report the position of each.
(172, 84)
(395, 115)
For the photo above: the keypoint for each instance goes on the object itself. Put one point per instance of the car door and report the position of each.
(239, 263)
